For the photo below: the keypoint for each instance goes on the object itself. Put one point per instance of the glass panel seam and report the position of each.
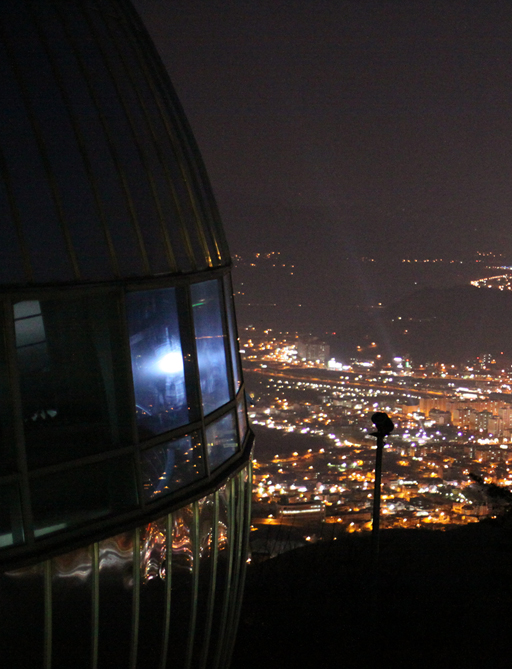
(82, 149)
(167, 243)
(131, 125)
(180, 155)
(150, 76)
(6, 178)
(43, 154)
(108, 137)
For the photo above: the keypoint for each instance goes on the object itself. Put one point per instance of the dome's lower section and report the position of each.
(166, 594)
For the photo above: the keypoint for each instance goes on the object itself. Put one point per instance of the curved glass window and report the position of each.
(90, 492)
(7, 428)
(221, 440)
(66, 394)
(172, 465)
(71, 386)
(11, 531)
(157, 361)
(211, 344)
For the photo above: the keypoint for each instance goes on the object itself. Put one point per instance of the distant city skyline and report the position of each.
(349, 127)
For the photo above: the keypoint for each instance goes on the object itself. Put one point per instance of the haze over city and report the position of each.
(360, 156)
(353, 138)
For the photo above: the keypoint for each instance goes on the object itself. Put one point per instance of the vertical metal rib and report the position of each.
(95, 604)
(134, 645)
(195, 392)
(195, 585)
(219, 651)
(47, 660)
(168, 590)
(213, 584)
(238, 516)
(247, 503)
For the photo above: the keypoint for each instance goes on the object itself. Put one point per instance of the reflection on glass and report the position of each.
(221, 440)
(157, 361)
(210, 343)
(68, 360)
(153, 551)
(223, 518)
(172, 465)
(11, 531)
(206, 515)
(74, 566)
(206, 582)
(233, 338)
(87, 493)
(116, 557)
(242, 419)
(182, 555)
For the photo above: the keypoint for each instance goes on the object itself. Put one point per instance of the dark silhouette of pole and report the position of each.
(384, 426)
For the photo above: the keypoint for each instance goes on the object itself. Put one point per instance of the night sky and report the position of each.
(336, 130)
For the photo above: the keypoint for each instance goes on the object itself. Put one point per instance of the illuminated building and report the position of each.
(313, 350)
(125, 450)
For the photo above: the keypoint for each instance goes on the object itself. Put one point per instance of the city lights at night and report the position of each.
(256, 334)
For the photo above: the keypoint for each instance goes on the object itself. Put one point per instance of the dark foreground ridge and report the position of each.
(440, 599)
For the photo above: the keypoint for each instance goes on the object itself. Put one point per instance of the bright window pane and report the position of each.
(172, 465)
(210, 343)
(221, 440)
(157, 361)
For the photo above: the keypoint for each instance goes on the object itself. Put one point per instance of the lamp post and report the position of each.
(384, 426)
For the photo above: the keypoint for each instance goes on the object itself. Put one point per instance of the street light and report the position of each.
(384, 426)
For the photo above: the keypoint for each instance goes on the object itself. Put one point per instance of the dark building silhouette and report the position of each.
(124, 444)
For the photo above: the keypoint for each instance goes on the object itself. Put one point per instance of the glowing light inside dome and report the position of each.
(171, 363)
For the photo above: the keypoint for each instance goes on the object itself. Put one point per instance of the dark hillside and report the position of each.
(452, 324)
(443, 599)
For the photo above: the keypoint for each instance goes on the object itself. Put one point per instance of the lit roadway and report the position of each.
(403, 390)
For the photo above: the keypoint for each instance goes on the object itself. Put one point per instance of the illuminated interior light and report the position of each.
(171, 363)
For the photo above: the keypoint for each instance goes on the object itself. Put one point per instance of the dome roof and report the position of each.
(100, 175)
